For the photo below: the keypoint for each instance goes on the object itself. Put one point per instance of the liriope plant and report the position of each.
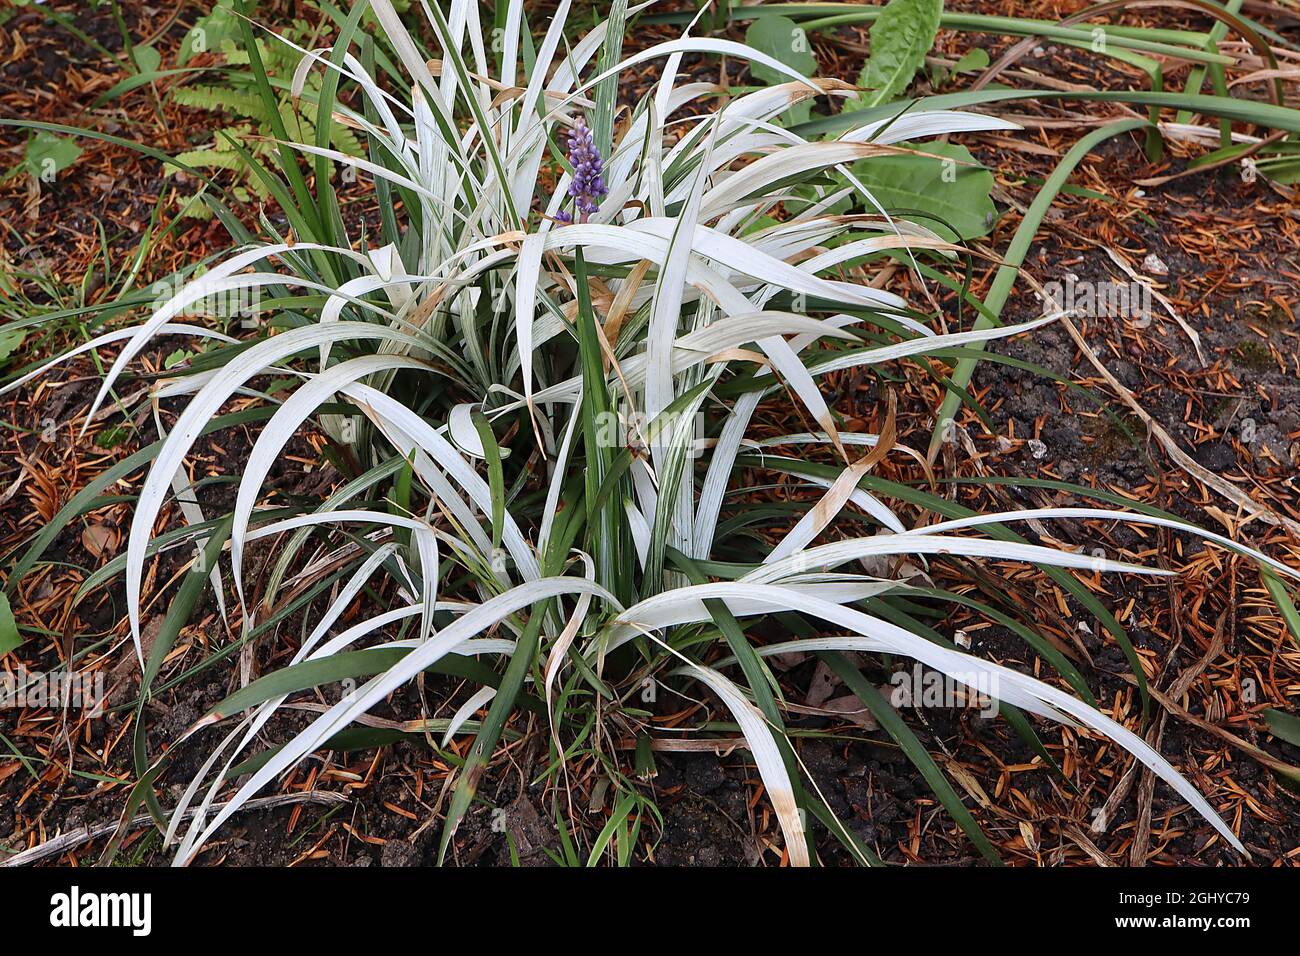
(540, 381)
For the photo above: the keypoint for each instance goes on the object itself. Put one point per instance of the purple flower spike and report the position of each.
(588, 184)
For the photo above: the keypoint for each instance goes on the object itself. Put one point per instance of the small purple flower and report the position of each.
(588, 184)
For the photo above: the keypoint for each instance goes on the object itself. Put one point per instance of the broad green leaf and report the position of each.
(976, 58)
(147, 59)
(947, 195)
(48, 155)
(900, 39)
(785, 40)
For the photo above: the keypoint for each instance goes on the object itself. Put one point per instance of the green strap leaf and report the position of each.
(9, 636)
(1283, 725)
(894, 725)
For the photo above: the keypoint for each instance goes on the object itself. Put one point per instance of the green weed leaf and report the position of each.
(48, 154)
(785, 40)
(900, 39)
(945, 195)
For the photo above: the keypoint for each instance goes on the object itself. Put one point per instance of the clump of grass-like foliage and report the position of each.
(542, 407)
